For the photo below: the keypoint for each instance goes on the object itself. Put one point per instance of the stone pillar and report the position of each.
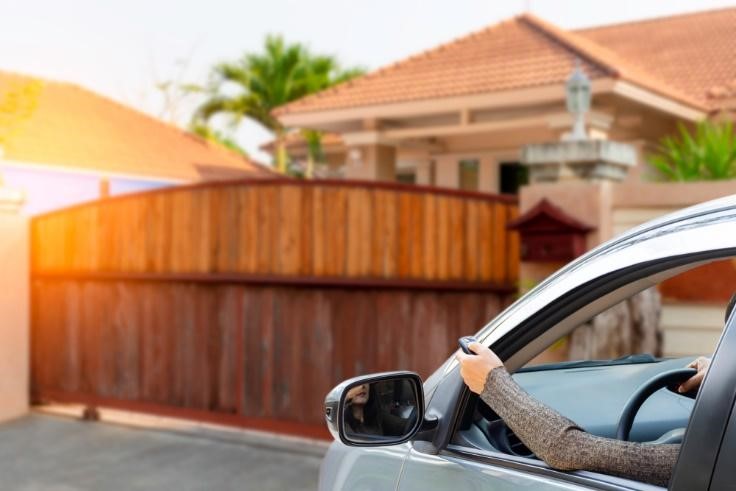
(586, 160)
(374, 162)
(14, 306)
(488, 175)
(446, 172)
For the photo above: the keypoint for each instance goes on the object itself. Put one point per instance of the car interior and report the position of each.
(593, 394)
(606, 386)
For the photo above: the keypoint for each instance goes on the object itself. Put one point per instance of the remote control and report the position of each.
(464, 342)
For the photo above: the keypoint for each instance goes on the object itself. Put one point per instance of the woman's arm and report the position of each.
(555, 439)
(565, 446)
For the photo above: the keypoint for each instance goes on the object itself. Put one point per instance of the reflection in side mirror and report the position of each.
(382, 409)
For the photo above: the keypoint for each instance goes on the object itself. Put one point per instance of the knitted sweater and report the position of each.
(565, 446)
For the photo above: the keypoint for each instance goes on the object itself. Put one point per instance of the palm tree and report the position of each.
(281, 74)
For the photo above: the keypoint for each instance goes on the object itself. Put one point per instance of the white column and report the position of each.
(446, 172)
(14, 306)
(423, 171)
(488, 175)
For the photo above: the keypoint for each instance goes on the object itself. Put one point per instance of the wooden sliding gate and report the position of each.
(245, 302)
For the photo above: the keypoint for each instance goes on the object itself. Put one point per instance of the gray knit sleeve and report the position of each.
(565, 446)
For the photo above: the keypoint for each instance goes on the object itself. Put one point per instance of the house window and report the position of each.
(468, 175)
(512, 176)
(406, 177)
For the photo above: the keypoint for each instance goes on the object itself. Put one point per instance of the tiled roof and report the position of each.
(525, 52)
(75, 128)
(694, 52)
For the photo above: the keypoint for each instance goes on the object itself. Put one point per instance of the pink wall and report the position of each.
(48, 190)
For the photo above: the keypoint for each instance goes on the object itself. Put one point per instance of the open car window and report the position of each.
(592, 389)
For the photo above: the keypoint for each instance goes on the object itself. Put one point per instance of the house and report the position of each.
(67, 144)
(457, 115)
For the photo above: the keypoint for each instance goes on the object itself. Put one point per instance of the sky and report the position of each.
(123, 49)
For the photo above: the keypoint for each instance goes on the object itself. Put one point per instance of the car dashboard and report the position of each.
(592, 395)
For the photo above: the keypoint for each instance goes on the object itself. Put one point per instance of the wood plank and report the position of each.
(289, 231)
(457, 238)
(485, 241)
(354, 229)
(267, 211)
(431, 234)
(513, 254)
(365, 230)
(443, 238)
(404, 235)
(249, 233)
(319, 232)
(417, 236)
(306, 233)
(499, 273)
(471, 252)
(336, 231)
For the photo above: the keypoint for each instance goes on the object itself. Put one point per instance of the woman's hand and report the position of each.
(701, 364)
(474, 369)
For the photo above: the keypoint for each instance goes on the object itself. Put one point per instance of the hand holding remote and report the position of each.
(475, 366)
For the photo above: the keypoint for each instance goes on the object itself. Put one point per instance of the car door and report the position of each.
(706, 460)
(591, 284)
(449, 471)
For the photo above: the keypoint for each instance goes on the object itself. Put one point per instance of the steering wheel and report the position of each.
(671, 379)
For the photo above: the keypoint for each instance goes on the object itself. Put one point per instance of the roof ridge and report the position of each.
(607, 59)
(660, 18)
(395, 65)
(572, 43)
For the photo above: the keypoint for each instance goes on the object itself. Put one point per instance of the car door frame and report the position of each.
(536, 317)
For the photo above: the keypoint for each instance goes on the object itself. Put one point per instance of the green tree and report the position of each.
(264, 81)
(707, 154)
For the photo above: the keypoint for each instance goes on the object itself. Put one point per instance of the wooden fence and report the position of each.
(244, 302)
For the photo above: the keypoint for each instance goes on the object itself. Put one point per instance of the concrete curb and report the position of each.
(224, 434)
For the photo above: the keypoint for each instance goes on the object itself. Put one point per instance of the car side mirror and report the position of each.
(376, 410)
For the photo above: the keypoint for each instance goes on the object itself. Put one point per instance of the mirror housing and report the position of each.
(391, 402)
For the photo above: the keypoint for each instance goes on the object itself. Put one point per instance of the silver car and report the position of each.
(439, 436)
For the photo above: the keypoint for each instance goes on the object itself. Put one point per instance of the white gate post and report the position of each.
(14, 306)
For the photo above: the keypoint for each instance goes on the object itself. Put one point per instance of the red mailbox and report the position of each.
(548, 234)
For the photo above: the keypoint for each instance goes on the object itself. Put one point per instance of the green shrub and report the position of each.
(708, 154)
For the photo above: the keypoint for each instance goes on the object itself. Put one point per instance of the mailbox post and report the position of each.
(549, 235)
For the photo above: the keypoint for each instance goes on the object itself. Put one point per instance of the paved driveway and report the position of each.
(52, 453)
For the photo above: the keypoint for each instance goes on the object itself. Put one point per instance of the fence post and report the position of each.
(14, 306)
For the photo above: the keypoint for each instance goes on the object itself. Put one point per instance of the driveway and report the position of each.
(52, 453)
